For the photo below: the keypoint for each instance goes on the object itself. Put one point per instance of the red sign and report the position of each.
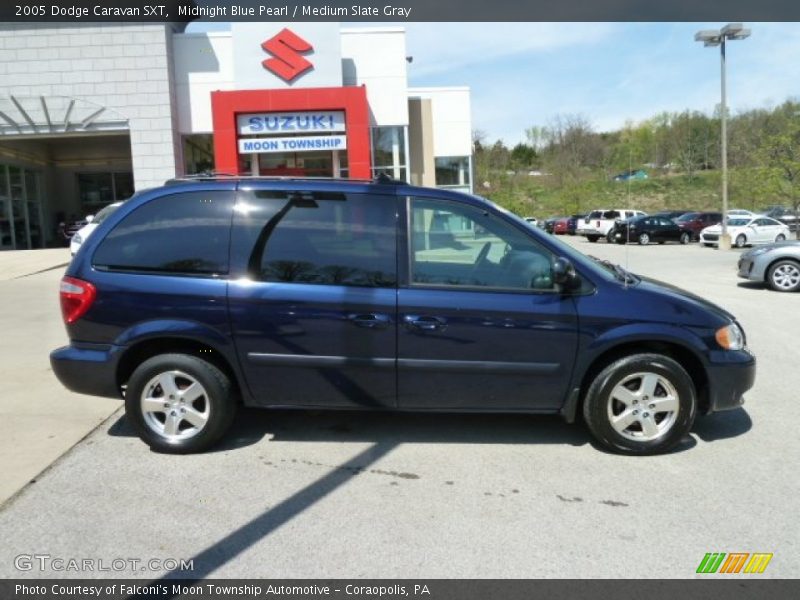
(286, 48)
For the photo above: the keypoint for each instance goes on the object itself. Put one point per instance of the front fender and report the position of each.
(593, 344)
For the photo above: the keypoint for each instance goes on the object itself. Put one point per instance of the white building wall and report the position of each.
(125, 67)
(376, 57)
(452, 119)
(203, 64)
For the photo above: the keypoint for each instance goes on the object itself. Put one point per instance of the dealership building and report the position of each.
(91, 112)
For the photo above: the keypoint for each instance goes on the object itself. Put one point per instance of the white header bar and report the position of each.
(290, 122)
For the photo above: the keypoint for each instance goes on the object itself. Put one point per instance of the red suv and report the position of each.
(695, 222)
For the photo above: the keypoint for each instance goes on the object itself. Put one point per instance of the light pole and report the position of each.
(711, 38)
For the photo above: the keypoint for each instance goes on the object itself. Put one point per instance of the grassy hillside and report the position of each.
(542, 196)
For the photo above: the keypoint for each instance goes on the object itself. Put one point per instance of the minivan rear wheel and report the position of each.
(179, 403)
(641, 404)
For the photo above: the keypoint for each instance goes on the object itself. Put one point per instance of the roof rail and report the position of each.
(382, 178)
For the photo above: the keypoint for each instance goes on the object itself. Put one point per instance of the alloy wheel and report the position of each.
(643, 407)
(175, 405)
(786, 276)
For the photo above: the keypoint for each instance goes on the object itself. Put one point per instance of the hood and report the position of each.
(689, 308)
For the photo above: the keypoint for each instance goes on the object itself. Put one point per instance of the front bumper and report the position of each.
(730, 375)
(87, 368)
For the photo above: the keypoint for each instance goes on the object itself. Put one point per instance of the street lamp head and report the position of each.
(744, 33)
(708, 37)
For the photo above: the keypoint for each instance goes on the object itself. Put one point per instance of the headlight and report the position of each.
(757, 251)
(76, 239)
(730, 337)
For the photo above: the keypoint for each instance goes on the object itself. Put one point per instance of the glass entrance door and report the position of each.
(20, 209)
(6, 234)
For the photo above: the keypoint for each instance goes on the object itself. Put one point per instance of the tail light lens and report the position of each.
(77, 297)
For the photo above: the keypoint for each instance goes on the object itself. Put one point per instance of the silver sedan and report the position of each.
(777, 265)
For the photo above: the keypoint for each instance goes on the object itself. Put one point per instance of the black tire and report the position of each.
(707, 245)
(780, 237)
(218, 394)
(741, 241)
(598, 400)
(685, 238)
(593, 238)
(781, 274)
(621, 241)
(643, 239)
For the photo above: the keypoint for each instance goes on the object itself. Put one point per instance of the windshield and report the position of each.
(738, 222)
(101, 216)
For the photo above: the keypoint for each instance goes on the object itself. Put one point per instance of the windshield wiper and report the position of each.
(618, 271)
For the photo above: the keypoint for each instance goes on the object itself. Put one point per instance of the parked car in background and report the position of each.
(550, 224)
(92, 221)
(572, 223)
(533, 221)
(670, 214)
(695, 222)
(747, 231)
(66, 229)
(648, 229)
(631, 175)
(599, 223)
(561, 226)
(777, 265)
(188, 302)
(784, 215)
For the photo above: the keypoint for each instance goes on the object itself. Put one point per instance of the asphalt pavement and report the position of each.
(312, 494)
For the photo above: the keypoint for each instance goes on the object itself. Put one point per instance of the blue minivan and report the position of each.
(217, 291)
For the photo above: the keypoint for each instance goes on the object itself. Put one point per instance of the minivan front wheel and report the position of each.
(179, 403)
(641, 404)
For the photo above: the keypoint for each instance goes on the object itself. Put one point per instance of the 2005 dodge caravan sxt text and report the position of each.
(203, 294)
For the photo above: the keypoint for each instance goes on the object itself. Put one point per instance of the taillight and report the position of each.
(77, 297)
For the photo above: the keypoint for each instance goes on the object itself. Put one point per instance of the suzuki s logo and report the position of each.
(286, 48)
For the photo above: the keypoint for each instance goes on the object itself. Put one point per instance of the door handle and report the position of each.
(369, 320)
(426, 323)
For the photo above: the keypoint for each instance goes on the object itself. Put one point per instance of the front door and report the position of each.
(314, 317)
(481, 324)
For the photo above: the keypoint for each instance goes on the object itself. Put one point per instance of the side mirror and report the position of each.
(564, 274)
(89, 218)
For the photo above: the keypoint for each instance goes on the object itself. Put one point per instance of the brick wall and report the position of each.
(126, 67)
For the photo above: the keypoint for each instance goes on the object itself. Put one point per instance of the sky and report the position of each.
(524, 74)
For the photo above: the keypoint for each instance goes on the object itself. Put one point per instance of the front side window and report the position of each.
(179, 233)
(326, 239)
(462, 246)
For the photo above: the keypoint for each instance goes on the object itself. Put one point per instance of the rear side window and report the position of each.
(325, 239)
(180, 233)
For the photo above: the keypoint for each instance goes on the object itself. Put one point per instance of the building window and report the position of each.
(453, 171)
(389, 152)
(198, 153)
(97, 190)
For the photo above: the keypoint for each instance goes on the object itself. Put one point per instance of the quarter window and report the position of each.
(179, 233)
(328, 239)
(462, 246)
